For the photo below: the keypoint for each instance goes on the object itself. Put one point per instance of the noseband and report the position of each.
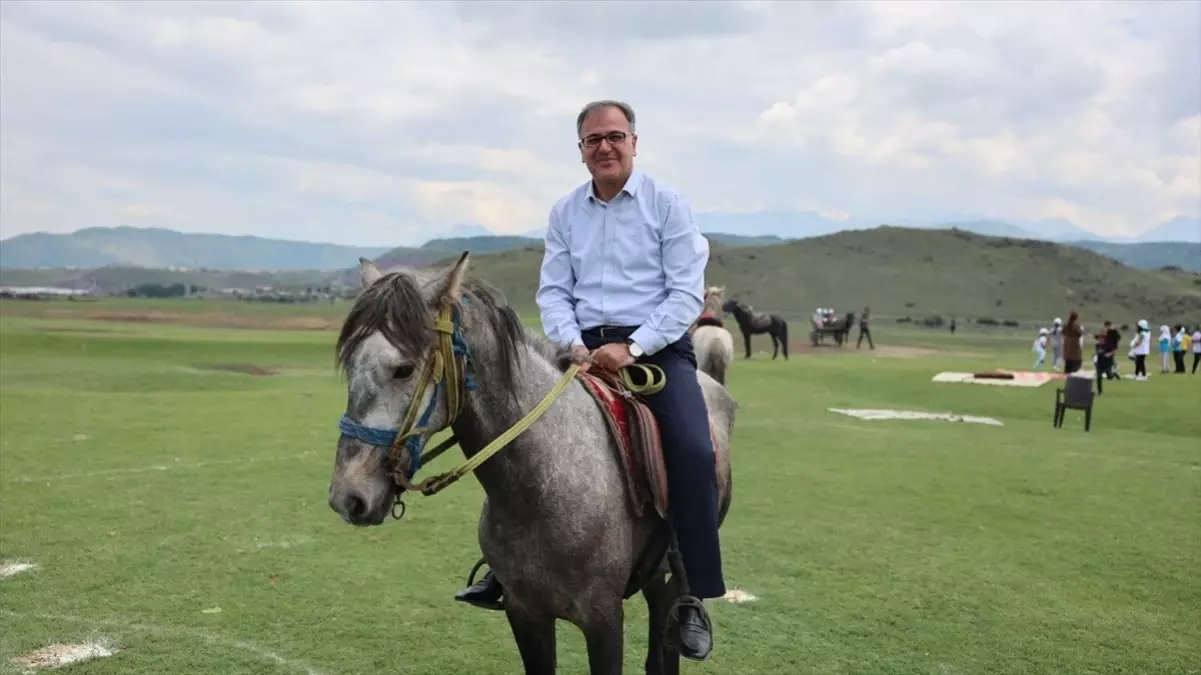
(446, 370)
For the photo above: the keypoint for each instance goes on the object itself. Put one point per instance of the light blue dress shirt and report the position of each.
(638, 260)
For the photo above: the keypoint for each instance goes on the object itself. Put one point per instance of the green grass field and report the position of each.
(178, 511)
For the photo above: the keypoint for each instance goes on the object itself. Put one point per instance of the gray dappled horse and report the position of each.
(557, 527)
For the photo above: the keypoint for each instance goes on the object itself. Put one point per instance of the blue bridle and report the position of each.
(417, 434)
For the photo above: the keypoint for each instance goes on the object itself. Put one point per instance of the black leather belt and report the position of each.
(611, 331)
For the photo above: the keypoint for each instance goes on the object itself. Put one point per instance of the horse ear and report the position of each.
(449, 284)
(368, 272)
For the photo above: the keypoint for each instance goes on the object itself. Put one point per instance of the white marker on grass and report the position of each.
(10, 569)
(58, 655)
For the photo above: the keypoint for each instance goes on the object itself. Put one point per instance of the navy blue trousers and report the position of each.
(688, 452)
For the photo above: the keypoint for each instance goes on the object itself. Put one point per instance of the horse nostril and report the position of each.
(356, 506)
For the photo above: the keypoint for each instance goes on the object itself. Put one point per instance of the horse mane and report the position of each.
(395, 307)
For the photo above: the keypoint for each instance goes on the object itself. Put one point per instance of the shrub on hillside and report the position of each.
(1009, 323)
(987, 321)
(904, 319)
(933, 321)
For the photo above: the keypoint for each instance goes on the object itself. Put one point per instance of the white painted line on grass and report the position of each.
(119, 473)
(914, 415)
(59, 654)
(9, 569)
(295, 665)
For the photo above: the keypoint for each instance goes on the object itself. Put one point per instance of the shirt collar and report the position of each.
(630, 188)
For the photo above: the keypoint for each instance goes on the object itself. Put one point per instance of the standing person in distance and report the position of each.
(622, 279)
(865, 329)
(1196, 349)
(1056, 340)
(1141, 347)
(1073, 351)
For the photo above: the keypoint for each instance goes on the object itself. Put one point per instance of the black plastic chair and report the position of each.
(1075, 394)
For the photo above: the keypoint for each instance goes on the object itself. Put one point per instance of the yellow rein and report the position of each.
(443, 353)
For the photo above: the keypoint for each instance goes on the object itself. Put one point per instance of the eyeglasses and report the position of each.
(614, 138)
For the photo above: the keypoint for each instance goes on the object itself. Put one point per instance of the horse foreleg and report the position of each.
(535, 637)
(660, 594)
(746, 339)
(602, 627)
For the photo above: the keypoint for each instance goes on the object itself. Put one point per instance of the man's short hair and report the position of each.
(596, 106)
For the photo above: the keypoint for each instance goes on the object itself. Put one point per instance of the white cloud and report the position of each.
(383, 123)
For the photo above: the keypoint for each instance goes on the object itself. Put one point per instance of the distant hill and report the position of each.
(898, 271)
(915, 272)
(1150, 255)
(117, 279)
(159, 248)
(480, 244)
(1184, 228)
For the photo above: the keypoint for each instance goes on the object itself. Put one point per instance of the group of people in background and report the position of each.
(1065, 342)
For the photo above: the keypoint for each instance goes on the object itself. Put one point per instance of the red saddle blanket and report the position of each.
(636, 430)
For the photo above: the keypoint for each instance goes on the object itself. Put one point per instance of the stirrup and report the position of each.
(672, 638)
(498, 605)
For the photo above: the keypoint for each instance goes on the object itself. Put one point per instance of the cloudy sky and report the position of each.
(384, 122)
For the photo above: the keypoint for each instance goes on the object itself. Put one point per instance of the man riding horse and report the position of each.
(621, 282)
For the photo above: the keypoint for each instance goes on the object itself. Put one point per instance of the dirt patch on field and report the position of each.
(244, 368)
(200, 320)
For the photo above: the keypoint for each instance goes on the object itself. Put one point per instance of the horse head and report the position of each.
(403, 352)
(714, 300)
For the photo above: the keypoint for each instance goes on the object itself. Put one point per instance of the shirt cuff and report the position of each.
(646, 338)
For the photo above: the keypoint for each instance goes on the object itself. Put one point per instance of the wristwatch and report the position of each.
(635, 350)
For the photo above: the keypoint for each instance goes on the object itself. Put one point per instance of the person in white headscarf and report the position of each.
(1140, 347)
(1056, 339)
(1165, 349)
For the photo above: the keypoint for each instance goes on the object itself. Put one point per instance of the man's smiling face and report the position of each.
(607, 146)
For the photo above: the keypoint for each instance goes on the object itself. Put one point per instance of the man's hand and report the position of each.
(581, 356)
(613, 357)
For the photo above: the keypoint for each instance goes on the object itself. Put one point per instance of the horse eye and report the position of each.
(402, 372)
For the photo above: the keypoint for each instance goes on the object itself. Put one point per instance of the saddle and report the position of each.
(707, 319)
(640, 446)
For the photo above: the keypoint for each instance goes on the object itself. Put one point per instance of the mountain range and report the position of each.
(1176, 242)
(899, 272)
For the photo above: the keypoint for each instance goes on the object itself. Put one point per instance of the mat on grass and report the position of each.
(1007, 378)
(914, 415)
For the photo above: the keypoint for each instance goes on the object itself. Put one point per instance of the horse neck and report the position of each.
(490, 410)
